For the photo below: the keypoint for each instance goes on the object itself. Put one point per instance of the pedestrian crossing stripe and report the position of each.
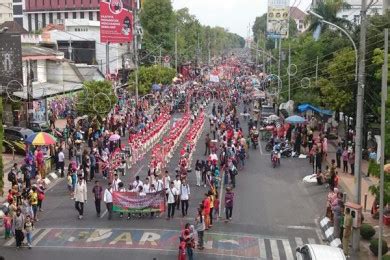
(236, 246)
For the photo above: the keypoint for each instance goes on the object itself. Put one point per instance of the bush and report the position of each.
(374, 247)
(367, 231)
(386, 257)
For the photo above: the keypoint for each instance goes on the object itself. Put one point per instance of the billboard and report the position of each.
(11, 74)
(116, 22)
(277, 18)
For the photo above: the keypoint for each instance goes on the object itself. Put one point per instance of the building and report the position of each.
(299, 17)
(79, 39)
(353, 12)
(34, 15)
(6, 11)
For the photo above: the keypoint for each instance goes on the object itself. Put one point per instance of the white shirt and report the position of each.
(107, 198)
(166, 180)
(146, 187)
(137, 184)
(158, 184)
(171, 194)
(177, 184)
(184, 192)
(61, 156)
(115, 184)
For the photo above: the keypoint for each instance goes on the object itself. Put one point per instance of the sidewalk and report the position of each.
(8, 162)
(347, 183)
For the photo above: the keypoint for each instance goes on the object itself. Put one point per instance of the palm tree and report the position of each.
(328, 9)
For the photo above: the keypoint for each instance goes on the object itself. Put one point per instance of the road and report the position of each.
(273, 213)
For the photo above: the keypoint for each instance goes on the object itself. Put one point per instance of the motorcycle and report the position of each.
(269, 146)
(275, 159)
(286, 151)
(255, 141)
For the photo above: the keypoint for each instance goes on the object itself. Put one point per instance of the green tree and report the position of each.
(157, 19)
(96, 99)
(329, 9)
(147, 76)
(1, 148)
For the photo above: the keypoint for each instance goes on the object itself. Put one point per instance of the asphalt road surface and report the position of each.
(274, 212)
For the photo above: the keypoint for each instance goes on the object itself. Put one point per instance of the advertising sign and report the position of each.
(134, 203)
(277, 18)
(11, 75)
(116, 22)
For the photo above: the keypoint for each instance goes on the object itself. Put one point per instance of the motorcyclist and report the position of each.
(276, 152)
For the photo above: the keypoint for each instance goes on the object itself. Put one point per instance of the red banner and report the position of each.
(116, 22)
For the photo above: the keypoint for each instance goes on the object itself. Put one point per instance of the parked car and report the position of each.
(319, 252)
(266, 111)
(15, 137)
(39, 126)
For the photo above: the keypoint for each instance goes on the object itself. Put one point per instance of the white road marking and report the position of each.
(11, 241)
(274, 249)
(311, 241)
(139, 170)
(301, 227)
(104, 213)
(263, 253)
(287, 249)
(298, 241)
(260, 148)
(40, 237)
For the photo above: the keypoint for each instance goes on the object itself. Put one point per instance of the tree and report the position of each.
(329, 9)
(157, 19)
(1, 148)
(97, 98)
(147, 76)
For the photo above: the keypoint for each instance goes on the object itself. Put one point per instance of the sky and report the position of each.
(234, 15)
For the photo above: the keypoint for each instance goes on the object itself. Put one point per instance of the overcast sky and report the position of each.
(235, 15)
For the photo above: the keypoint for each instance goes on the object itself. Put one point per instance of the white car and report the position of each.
(319, 252)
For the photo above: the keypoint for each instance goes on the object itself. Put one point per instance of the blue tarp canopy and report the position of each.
(305, 107)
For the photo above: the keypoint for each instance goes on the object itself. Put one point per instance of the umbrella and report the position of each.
(41, 138)
(156, 87)
(272, 118)
(295, 119)
(114, 137)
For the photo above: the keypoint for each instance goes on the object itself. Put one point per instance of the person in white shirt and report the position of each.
(172, 197)
(121, 189)
(107, 198)
(166, 180)
(80, 196)
(184, 197)
(137, 183)
(141, 191)
(61, 162)
(146, 185)
(177, 184)
(115, 183)
(158, 184)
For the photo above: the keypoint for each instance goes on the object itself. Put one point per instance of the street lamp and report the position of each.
(345, 32)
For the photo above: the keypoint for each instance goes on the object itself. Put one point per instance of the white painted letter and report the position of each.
(150, 237)
(125, 237)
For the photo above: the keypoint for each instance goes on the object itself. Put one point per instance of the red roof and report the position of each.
(297, 14)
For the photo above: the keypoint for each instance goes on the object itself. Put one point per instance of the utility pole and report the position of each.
(317, 71)
(359, 118)
(385, 6)
(383, 123)
(176, 49)
(30, 97)
(135, 50)
(289, 72)
(279, 62)
(108, 58)
(70, 50)
(257, 49)
(265, 49)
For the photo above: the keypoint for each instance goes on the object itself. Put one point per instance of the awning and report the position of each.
(305, 107)
(47, 89)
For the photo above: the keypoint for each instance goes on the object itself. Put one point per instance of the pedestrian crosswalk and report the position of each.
(230, 246)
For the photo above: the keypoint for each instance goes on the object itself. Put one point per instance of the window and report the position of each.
(98, 16)
(66, 15)
(81, 15)
(90, 16)
(74, 15)
(50, 17)
(58, 16)
(43, 20)
(301, 26)
(356, 18)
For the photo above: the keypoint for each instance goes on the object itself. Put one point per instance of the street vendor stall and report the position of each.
(40, 146)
